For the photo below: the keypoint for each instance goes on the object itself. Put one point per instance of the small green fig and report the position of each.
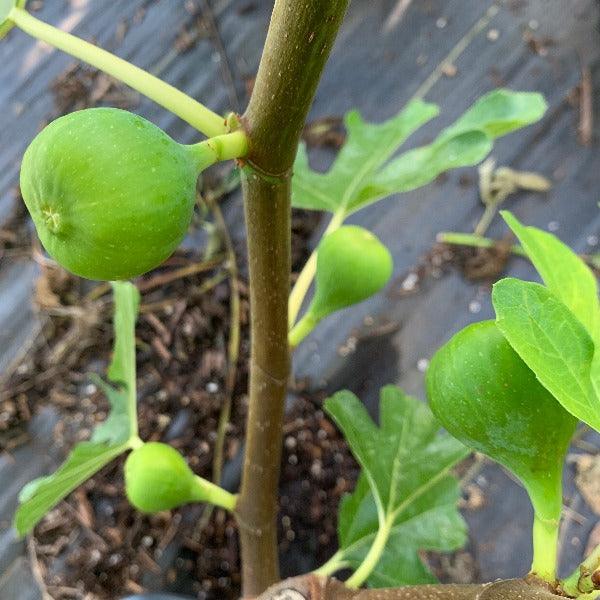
(352, 265)
(111, 194)
(486, 396)
(158, 478)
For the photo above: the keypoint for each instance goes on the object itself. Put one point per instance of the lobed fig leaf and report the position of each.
(366, 171)
(406, 489)
(111, 194)
(158, 478)
(352, 265)
(487, 397)
(6, 7)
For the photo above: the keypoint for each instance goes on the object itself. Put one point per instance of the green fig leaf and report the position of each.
(500, 112)
(420, 166)
(487, 397)
(367, 147)
(360, 175)
(563, 272)
(42, 494)
(110, 438)
(5, 7)
(406, 477)
(553, 342)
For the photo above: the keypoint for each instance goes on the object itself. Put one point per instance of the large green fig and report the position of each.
(158, 478)
(111, 194)
(486, 396)
(352, 265)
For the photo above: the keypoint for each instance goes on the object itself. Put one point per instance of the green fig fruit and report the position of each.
(111, 194)
(352, 265)
(486, 396)
(158, 478)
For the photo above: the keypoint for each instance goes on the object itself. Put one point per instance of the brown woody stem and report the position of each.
(314, 587)
(299, 40)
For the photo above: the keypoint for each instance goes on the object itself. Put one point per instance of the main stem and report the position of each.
(298, 43)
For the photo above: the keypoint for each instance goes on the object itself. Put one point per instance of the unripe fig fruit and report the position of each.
(486, 396)
(111, 194)
(158, 478)
(352, 265)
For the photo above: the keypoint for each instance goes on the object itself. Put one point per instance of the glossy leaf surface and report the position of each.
(552, 341)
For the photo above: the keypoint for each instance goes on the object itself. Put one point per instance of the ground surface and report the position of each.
(211, 50)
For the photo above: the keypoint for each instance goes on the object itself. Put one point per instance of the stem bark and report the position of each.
(298, 43)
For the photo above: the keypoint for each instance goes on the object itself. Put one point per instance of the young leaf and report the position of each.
(405, 486)
(360, 177)
(111, 438)
(121, 424)
(40, 495)
(5, 7)
(367, 147)
(488, 398)
(420, 166)
(563, 272)
(430, 522)
(118, 427)
(500, 112)
(127, 302)
(553, 343)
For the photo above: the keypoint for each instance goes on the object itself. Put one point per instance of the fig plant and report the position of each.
(111, 197)
(514, 389)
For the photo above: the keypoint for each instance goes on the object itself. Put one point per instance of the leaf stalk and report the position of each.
(193, 112)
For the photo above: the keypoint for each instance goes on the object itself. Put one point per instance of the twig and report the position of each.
(476, 241)
(396, 15)
(226, 71)
(586, 110)
(233, 348)
(497, 184)
(36, 569)
(170, 276)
